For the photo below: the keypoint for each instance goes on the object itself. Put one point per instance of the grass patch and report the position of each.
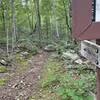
(3, 69)
(3, 81)
(51, 72)
(22, 63)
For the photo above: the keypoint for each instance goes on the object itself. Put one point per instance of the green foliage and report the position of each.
(74, 89)
(22, 62)
(63, 46)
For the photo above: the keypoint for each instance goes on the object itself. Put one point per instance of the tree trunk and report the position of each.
(38, 19)
(55, 18)
(13, 25)
(7, 31)
(66, 16)
(3, 17)
(0, 2)
(47, 30)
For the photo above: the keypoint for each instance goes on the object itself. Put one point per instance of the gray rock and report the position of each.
(69, 55)
(3, 62)
(49, 48)
(24, 54)
(79, 61)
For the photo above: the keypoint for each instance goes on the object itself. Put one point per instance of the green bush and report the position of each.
(71, 88)
(34, 50)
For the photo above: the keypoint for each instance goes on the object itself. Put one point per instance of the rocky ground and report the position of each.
(21, 86)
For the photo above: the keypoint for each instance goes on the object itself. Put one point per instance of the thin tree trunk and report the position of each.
(7, 31)
(30, 17)
(13, 25)
(47, 30)
(55, 18)
(38, 19)
(32, 21)
(51, 28)
(66, 16)
(3, 17)
(0, 2)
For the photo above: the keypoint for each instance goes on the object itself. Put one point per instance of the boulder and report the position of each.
(69, 55)
(50, 48)
(24, 54)
(3, 62)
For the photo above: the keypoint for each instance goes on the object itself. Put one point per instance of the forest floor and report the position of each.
(47, 76)
(21, 85)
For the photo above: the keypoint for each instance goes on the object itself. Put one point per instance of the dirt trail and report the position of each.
(20, 87)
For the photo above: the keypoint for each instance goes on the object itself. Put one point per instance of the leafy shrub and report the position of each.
(71, 88)
(34, 50)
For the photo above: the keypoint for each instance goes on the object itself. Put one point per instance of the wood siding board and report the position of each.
(92, 33)
(83, 27)
(81, 16)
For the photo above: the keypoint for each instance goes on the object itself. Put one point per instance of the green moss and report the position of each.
(22, 63)
(3, 69)
(20, 60)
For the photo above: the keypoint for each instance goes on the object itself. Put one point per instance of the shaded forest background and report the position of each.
(39, 21)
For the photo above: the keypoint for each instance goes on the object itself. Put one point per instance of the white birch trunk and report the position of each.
(6, 27)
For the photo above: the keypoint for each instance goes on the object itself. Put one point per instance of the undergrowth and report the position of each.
(58, 83)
